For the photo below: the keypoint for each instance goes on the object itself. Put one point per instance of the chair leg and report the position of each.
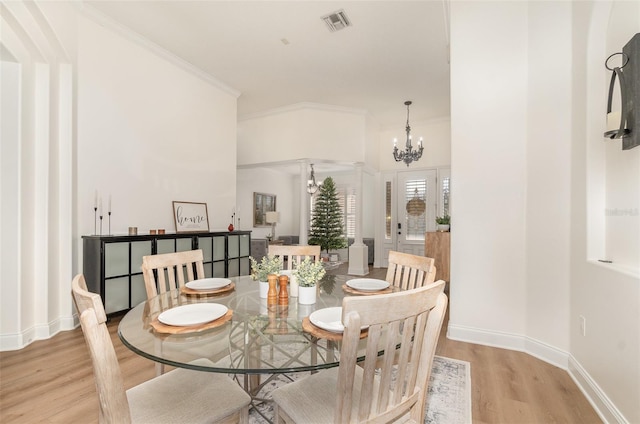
(280, 417)
(244, 415)
(159, 369)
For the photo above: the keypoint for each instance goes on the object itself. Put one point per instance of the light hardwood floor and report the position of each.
(51, 381)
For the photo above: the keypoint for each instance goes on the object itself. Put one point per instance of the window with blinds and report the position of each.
(387, 211)
(445, 195)
(415, 194)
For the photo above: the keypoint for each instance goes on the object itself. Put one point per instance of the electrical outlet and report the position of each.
(583, 325)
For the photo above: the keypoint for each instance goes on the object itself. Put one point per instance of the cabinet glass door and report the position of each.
(116, 259)
(165, 246)
(245, 245)
(234, 246)
(184, 244)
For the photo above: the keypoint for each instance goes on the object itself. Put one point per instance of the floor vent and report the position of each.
(336, 20)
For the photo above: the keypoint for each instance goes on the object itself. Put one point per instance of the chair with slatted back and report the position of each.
(294, 254)
(170, 271)
(181, 395)
(376, 390)
(173, 270)
(410, 271)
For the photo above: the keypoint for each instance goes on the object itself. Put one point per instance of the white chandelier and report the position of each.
(408, 155)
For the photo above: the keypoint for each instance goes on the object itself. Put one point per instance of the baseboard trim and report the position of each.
(23, 339)
(587, 385)
(596, 396)
(510, 341)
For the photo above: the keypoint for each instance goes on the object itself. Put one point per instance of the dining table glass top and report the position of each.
(257, 339)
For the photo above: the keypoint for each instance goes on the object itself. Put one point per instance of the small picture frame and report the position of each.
(262, 203)
(190, 217)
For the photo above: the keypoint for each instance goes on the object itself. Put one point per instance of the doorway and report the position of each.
(410, 200)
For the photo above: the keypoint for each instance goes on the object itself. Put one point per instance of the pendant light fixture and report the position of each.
(407, 155)
(312, 186)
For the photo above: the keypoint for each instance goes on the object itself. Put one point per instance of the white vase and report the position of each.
(307, 295)
(264, 289)
(443, 227)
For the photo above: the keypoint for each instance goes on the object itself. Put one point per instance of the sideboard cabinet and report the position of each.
(111, 264)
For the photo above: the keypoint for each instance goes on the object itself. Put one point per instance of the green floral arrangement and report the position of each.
(309, 272)
(443, 220)
(260, 270)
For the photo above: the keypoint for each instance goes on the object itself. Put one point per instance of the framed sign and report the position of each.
(190, 217)
(262, 203)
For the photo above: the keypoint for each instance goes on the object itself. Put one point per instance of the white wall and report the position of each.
(270, 181)
(303, 131)
(548, 206)
(306, 130)
(10, 200)
(36, 142)
(149, 133)
(604, 360)
(488, 169)
(530, 197)
(622, 168)
(437, 144)
(147, 129)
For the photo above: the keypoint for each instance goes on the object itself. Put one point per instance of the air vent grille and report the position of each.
(336, 20)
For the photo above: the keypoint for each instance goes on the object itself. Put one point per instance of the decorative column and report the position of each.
(358, 251)
(304, 203)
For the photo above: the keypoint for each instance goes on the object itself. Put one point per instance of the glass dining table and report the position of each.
(259, 339)
(256, 344)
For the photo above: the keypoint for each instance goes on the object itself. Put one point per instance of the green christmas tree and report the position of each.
(326, 221)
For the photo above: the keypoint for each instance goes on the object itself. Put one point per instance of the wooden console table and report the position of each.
(437, 245)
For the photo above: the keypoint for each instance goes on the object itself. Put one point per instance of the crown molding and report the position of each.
(126, 32)
(300, 106)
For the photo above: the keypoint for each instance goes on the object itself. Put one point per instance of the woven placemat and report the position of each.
(348, 289)
(319, 333)
(212, 292)
(173, 329)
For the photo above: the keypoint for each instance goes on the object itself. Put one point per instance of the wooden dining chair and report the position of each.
(173, 270)
(408, 271)
(355, 392)
(182, 395)
(294, 254)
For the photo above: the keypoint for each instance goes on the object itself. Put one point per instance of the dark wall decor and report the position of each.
(628, 76)
(263, 203)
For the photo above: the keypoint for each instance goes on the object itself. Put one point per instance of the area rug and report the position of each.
(449, 400)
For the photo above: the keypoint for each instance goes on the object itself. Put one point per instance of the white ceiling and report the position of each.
(394, 51)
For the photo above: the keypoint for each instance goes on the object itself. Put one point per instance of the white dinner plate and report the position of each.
(193, 314)
(329, 319)
(367, 284)
(208, 283)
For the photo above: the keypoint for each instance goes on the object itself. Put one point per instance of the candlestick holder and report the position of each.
(100, 224)
(95, 220)
(109, 233)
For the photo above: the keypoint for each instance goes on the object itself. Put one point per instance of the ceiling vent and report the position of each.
(337, 20)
